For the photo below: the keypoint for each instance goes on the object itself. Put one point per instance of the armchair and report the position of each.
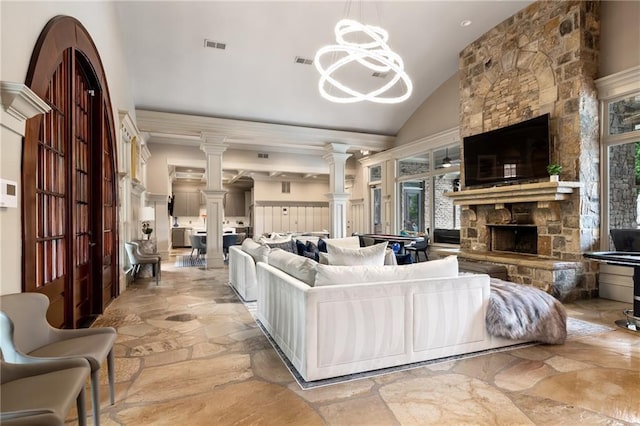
(26, 337)
(51, 388)
(227, 241)
(199, 244)
(137, 259)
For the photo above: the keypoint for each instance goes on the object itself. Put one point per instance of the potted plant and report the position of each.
(147, 229)
(554, 172)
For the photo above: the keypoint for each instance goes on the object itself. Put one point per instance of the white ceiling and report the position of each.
(255, 77)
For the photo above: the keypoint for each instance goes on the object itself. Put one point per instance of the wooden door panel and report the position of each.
(68, 214)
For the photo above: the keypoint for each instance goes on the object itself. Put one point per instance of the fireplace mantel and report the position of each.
(541, 192)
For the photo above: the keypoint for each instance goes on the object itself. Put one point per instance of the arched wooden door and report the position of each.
(69, 214)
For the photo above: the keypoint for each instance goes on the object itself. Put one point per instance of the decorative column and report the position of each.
(337, 157)
(213, 147)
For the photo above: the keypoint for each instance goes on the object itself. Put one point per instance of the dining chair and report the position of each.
(26, 337)
(137, 259)
(199, 244)
(417, 248)
(227, 241)
(42, 393)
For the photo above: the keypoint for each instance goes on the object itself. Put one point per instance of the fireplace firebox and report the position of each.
(514, 238)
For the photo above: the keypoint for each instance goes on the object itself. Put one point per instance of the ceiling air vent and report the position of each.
(380, 74)
(303, 61)
(214, 44)
(263, 155)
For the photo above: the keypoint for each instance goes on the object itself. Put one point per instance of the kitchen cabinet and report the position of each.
(186, 204)
(234, 204)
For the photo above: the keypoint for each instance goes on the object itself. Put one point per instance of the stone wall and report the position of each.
(622, 186)
(543, 60)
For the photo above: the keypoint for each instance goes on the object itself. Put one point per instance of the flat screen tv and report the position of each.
(511, 154)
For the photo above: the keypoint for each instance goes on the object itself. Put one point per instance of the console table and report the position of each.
(623, 258)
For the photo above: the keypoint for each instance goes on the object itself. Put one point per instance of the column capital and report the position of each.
(213, 144)
(335, 147)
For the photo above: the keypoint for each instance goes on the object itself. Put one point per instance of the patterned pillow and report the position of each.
(289, 246)
(301, 247)
(322, 245)
(312, 248)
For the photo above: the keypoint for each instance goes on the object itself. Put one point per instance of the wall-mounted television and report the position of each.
(515, 153)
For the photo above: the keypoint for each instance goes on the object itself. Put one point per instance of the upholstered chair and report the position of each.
(417, 248)
(151, 256)
(26, 337)
(137, 260)
(227, 241)
(42, 393)
(199, 244)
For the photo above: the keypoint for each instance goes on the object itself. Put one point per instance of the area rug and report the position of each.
(186, 261)
(575, 328)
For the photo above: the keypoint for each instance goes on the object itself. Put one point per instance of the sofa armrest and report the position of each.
(242, 273)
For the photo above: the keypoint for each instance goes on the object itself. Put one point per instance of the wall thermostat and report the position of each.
(8, 193)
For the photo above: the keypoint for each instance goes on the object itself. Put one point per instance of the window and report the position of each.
(620, 156)
(422, 182)
(375, 174)
(376, 209)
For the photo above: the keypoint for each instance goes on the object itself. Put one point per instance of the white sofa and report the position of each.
(332, 330)
(243, 259)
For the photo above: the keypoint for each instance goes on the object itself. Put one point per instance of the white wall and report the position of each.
(440, 111)
(619, 36)
(21, 24)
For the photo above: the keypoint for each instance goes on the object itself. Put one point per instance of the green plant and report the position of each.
(554, 169)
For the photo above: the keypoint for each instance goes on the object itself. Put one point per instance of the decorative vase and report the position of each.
(175, 222)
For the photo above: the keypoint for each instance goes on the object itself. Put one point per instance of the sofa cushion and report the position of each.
(334, 274)
(347, 242)
(299, 267)
(322, 245)
(372, 255)
(256, 250)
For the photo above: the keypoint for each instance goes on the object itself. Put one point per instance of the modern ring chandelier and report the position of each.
(373, 54)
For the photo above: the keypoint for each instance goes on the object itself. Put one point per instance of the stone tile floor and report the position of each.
(188, 353)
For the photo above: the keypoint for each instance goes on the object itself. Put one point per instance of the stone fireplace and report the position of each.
(541, 60)
(513, 238)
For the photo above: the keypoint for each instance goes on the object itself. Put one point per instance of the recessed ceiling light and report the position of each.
(465, 23)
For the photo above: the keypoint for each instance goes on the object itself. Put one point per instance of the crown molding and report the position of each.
(21, 102)
(618, 84)
(167, 127)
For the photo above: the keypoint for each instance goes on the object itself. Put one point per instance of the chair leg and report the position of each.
(111, 374)
(95, 397)
(156, 273)
(81, 405)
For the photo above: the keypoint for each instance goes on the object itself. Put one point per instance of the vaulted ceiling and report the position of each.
(256, 79)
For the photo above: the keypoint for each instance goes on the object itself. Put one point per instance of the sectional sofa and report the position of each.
(335, 320)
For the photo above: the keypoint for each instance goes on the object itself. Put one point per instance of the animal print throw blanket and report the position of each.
(523, 312)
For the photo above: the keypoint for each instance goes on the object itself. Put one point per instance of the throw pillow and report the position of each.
(312, 248)
(372, 255)
(301, 247)
(348, 242)
(323, 258)
(258, 251)
(297, 266)
(331, 274)
(289, 246)
(322, 245)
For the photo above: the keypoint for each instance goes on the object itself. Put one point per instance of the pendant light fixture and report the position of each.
(374, 54)
(446, 162)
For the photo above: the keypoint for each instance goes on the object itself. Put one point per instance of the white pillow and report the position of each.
(332, 274)
(299, 267)
(349, 242)
(258, 251)
(372, 255)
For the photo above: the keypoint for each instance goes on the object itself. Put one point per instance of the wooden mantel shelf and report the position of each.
(540, 192)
